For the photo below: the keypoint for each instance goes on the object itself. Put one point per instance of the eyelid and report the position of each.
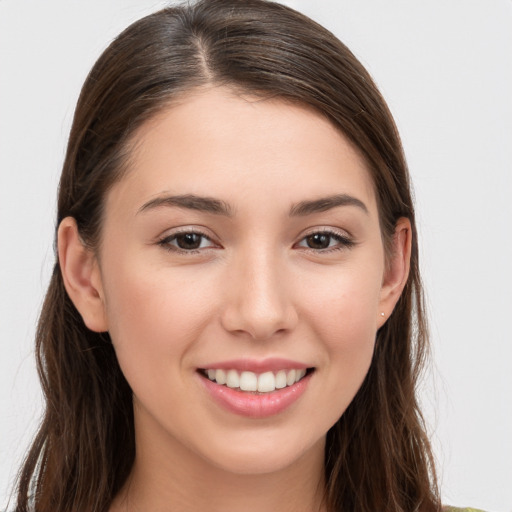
(326, 229)
(345, 239)
(167, 236)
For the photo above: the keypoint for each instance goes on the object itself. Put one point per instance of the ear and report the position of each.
(396, 270)
(81, 275)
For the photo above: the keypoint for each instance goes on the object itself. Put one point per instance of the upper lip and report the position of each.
(257, 366)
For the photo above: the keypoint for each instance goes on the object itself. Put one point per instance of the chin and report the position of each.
(266, 458)
(258, 465)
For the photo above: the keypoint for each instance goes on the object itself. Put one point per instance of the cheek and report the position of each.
(343, 305)
(343, 311)
(155, 316)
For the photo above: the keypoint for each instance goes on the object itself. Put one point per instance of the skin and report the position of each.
(255, 288)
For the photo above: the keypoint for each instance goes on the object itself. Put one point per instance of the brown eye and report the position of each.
(189, 241)
(325, 241)
(318, 241)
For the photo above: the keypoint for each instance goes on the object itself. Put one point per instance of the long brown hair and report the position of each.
(378, 456)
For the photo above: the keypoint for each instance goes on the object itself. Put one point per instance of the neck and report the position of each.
(174, 479)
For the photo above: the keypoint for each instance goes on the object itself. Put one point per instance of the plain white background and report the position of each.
(445, 69)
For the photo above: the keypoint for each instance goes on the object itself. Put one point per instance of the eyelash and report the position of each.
(344, 242)
(166, 242)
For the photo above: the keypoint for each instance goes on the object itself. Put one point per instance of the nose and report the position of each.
(259, 301)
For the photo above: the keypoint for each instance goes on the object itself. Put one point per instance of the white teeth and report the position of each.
(280, 379)
(250, 381)
(290, 377)
(266, 382)
(220, 376)
(232, 379)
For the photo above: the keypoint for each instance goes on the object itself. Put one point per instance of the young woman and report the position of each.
(235, 318)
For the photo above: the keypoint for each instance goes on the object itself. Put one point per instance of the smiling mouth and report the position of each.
(265, 382)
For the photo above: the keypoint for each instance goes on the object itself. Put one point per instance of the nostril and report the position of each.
(259, 321)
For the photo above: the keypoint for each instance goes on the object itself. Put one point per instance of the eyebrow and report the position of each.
(218, 207)
(325, 203)
(191, 202)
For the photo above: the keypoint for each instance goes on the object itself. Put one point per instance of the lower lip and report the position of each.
(256, 405)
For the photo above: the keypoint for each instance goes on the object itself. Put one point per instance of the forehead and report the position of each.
(243, 149)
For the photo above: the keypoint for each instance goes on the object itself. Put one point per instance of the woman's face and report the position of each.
(242, 244)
